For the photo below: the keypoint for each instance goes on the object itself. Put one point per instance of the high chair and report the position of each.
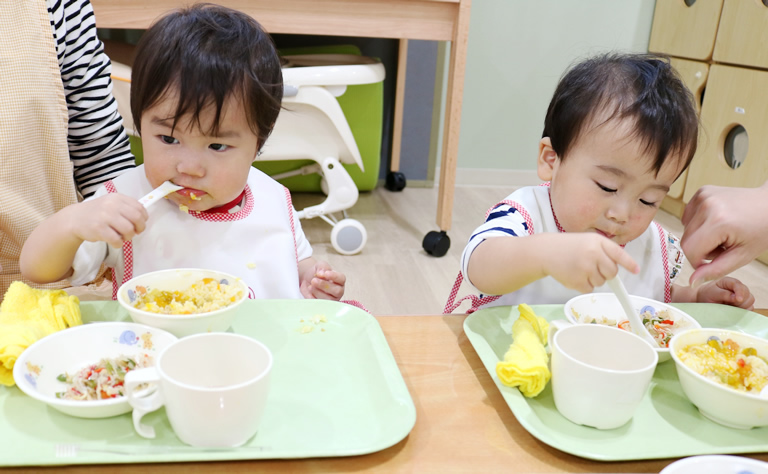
(311, 126)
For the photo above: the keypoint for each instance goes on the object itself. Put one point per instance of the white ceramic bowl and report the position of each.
(718, 402)
(716, 464)
(178, 280)
(75, 348)
(599, 306)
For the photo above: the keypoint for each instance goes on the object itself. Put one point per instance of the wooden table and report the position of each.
(462, 424)
(436, 20)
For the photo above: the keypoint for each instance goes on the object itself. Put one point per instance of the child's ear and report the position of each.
(547, 159)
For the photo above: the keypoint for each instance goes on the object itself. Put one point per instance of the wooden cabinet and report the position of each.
(730, 36)
(733, 143)
(734, 118)
(742, 38)
(685, 28)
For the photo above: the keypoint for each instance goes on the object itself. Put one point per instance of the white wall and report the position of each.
(517, 51)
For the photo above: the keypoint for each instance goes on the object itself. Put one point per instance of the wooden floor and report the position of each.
(393, 275)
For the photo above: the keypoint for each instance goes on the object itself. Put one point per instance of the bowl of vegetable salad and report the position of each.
(184, 301)
(722, 372)
(80, 370)
(662, 321)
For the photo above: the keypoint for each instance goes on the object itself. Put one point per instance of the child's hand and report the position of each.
(726, 290)
(113, 218)
(320, 282)
(583, 261)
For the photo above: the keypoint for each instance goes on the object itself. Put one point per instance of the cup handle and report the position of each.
(554, 325)
(145, 400)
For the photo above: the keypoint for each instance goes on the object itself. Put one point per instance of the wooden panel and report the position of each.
(694, 75)
(397, 122)
(734, 96)
(412, 19)
(743, 34)
(763, 257)
(453, 99)
(674, 206)
(685, 31)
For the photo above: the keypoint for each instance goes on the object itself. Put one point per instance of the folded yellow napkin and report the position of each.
(28, 314)
(525, 364)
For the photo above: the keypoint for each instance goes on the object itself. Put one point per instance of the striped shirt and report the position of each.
(98, 144)
(528, 211)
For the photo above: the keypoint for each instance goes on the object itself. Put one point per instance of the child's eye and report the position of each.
(606, 189)
(650, 204)
(219, 147)
(168, 140)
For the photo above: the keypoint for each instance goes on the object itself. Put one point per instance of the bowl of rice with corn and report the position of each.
(722, 372)
(184, 301)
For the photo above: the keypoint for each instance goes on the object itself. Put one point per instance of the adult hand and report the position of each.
(728, 226)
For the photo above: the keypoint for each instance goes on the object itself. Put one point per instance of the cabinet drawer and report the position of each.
(742, 37)
(684, 30)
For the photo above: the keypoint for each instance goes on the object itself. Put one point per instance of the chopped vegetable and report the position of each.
(102, 380)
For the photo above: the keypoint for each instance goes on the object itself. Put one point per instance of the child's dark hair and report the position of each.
(207, 54)
(643, 88)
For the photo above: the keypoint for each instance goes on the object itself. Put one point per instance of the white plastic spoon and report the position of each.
(158, 193)
(635, 321)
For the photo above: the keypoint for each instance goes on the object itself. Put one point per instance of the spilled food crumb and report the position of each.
(250, 266)
(184, 208)
(319, 318)
(309, 325)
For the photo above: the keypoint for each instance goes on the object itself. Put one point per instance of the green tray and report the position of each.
(665, 425)
(335, 391)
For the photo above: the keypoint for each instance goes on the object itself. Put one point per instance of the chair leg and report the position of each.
(342, 191)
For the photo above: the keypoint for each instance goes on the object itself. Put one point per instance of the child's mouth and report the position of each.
(192, 194)
(604, 234)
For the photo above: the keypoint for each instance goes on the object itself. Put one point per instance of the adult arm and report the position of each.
(98, 144)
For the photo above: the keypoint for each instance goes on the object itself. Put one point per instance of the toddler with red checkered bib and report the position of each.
(206, 91)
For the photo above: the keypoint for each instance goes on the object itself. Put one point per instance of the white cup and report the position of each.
(214, 387)
(599, 373)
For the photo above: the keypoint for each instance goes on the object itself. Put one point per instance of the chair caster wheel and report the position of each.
(395, 181)
(348, 236)
(436, 243)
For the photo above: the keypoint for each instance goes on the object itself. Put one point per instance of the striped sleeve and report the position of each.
(506, 219)
(98, 144)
